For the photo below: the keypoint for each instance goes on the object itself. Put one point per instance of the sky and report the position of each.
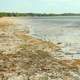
(40, 6)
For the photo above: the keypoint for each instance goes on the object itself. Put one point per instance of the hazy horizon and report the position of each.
(40, 6)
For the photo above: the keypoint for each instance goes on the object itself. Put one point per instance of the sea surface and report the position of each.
(58, 29)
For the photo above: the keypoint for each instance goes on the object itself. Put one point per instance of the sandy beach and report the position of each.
(23, 57)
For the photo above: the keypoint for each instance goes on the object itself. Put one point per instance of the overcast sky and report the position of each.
(40, 6)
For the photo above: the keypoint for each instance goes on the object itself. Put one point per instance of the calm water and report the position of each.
(63, 29)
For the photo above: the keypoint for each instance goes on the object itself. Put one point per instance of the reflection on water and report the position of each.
(63, 29)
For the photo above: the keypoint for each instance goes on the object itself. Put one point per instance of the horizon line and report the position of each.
(40, 12)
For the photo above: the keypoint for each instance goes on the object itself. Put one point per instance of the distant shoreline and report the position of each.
(7, 14)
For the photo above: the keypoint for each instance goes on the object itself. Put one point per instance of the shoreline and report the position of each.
(23, 57)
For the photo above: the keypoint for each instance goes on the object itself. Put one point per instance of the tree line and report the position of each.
(35, 14)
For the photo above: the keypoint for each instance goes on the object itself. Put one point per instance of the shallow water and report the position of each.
(62, 29)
